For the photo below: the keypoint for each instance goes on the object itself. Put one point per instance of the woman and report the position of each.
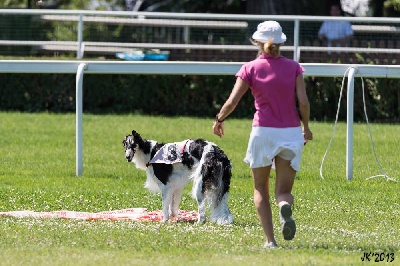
(277, 135)
(337, 32)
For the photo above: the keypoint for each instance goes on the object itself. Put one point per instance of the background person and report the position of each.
(337, 33)
(276, 83)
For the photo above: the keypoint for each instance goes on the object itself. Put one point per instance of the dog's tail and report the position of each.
(214, 173)
(211, 182)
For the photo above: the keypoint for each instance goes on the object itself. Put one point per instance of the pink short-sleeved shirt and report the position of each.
(273, 85)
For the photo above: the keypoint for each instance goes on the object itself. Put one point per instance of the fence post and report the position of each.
(79, 133)
(186, 34)
(79, 53)
(296, 51)
(350, 119)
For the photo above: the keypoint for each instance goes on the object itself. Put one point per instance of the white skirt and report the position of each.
(266, 142)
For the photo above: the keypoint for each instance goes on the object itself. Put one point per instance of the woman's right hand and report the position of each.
(307, 134)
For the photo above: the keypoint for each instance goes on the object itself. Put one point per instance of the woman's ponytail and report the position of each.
(272, 48)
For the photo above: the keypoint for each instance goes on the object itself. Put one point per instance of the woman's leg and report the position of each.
(261, 200)
(285, 175)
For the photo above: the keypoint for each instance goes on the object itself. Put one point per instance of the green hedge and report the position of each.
(188, 95)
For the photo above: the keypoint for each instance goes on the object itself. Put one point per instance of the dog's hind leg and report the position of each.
(219, 210)
(198, 194)
(201, 200)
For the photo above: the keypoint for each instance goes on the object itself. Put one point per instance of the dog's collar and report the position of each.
(184, 146)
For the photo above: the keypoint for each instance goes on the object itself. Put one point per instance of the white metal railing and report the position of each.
(185, 20)
(198, 68)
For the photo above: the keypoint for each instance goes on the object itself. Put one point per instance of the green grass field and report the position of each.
(338, 220)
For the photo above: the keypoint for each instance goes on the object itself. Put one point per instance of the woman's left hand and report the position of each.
(218, 128)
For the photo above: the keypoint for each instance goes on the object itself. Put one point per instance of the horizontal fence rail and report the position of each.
(182, 68)
(196, 68)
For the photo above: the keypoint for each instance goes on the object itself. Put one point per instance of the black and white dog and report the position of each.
(170, 166)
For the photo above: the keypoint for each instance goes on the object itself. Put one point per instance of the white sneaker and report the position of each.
(287, 222)
(269, 245)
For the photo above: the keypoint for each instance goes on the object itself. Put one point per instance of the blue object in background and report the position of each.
(156, 57)
(140, 56)
(135, 56)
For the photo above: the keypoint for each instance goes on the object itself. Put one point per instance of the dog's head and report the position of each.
(131, 145)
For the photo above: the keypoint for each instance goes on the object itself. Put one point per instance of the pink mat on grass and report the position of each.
(134, 214)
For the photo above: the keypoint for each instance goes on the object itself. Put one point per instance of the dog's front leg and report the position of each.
(176, 199)
(166, 196)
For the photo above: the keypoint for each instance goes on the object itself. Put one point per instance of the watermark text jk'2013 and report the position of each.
(378, 256)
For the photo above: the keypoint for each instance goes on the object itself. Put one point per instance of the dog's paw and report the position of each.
(173, 218)
(201, 220)
(224, 220)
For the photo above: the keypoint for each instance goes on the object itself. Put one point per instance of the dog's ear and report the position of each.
(136, 135)
(137, 138)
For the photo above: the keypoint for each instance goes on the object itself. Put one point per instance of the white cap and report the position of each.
(269, 31)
